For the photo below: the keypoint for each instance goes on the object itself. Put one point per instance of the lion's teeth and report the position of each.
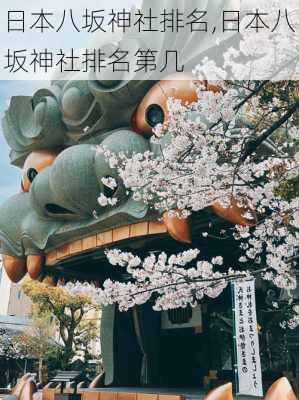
(34, 265)
(178, 228)
(235, 214)
(15, 267)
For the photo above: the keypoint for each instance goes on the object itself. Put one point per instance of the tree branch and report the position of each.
(253, 145)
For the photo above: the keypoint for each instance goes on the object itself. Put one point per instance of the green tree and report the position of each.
(70, 315)
(37, 341)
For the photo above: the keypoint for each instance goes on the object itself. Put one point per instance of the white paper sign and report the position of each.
(247, 342)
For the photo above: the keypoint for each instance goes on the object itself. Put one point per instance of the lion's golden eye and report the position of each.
(154, 115)
(153, 109)
(35, 163)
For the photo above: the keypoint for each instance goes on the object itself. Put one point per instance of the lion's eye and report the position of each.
(31, 174)
(153, 108)
(36, 162)
(154, 115)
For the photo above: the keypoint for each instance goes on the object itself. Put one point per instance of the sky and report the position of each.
(10, 177)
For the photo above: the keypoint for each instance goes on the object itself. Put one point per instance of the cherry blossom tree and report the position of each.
(216, 150)
(8, 346)
(236, 146)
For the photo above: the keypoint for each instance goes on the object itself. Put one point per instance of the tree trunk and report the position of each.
(68, 340)
(40, 370)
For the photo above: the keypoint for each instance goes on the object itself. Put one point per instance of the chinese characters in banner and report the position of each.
(246, 339)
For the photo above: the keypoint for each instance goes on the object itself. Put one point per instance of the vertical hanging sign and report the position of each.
(248, 361)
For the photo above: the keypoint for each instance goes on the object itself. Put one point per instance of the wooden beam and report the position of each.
(147, 396)
(63, 251)
(108, 395)
(156, 227)
(107, 237)
(126, 396)
(104, 238)
(76, 247)
(140, 229)
(121, 233)
(89, 242)
(91, 395)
